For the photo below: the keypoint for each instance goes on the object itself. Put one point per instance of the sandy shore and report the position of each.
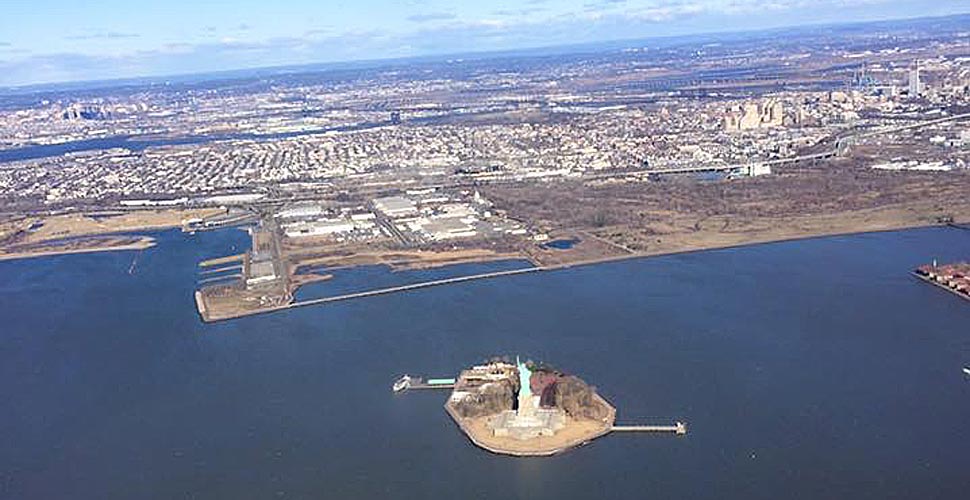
(141, 243)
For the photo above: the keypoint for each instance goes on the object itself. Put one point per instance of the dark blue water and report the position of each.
(363, 278)
(809, 369)
(561, 244)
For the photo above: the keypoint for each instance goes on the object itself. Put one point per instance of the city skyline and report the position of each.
(113, 40)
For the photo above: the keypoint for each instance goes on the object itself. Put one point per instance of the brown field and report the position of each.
(61, 226)
(94, 244)
(219, 302)
(650, 218)
(17, 242)
(399, 259)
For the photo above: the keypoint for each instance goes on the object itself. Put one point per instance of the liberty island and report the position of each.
(529, 409)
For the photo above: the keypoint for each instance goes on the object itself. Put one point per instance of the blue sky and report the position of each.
(67, 40)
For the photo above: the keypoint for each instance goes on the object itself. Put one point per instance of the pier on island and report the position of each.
(678, 428)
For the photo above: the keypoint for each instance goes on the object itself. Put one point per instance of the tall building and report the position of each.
(770, 113)
(915, 89)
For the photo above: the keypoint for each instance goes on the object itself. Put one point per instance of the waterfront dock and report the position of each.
(407, 382)
(678, 428)
(946, 278)
(447, 383)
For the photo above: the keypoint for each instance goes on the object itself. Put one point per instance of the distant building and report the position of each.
(395, 206)
(234, 199)
(770, 113)
(915, 87)
(320, 228)
(261, 272)
(446, 228)
(154, 203)
(395, 117)
(300, 211)
(757, 169)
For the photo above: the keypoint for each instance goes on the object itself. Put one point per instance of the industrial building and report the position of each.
(445, 228)
(262, 271)
(301, 211)
(395, 206)
(358, 224)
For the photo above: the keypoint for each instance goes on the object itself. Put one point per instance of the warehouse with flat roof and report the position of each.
(395, 206)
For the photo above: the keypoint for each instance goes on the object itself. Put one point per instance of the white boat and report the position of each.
(402, 383)
(966, 370)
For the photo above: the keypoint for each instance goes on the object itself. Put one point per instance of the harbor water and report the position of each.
(806, 369)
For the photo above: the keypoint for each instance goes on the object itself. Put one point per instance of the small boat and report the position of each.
(966, 370)
(402, 383)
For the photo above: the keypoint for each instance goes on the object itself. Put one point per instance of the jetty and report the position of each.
(405, 288)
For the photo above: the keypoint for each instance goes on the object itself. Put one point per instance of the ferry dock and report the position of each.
(407, 382)
(447, 383)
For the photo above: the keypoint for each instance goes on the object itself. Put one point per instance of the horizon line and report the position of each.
(377, 62)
